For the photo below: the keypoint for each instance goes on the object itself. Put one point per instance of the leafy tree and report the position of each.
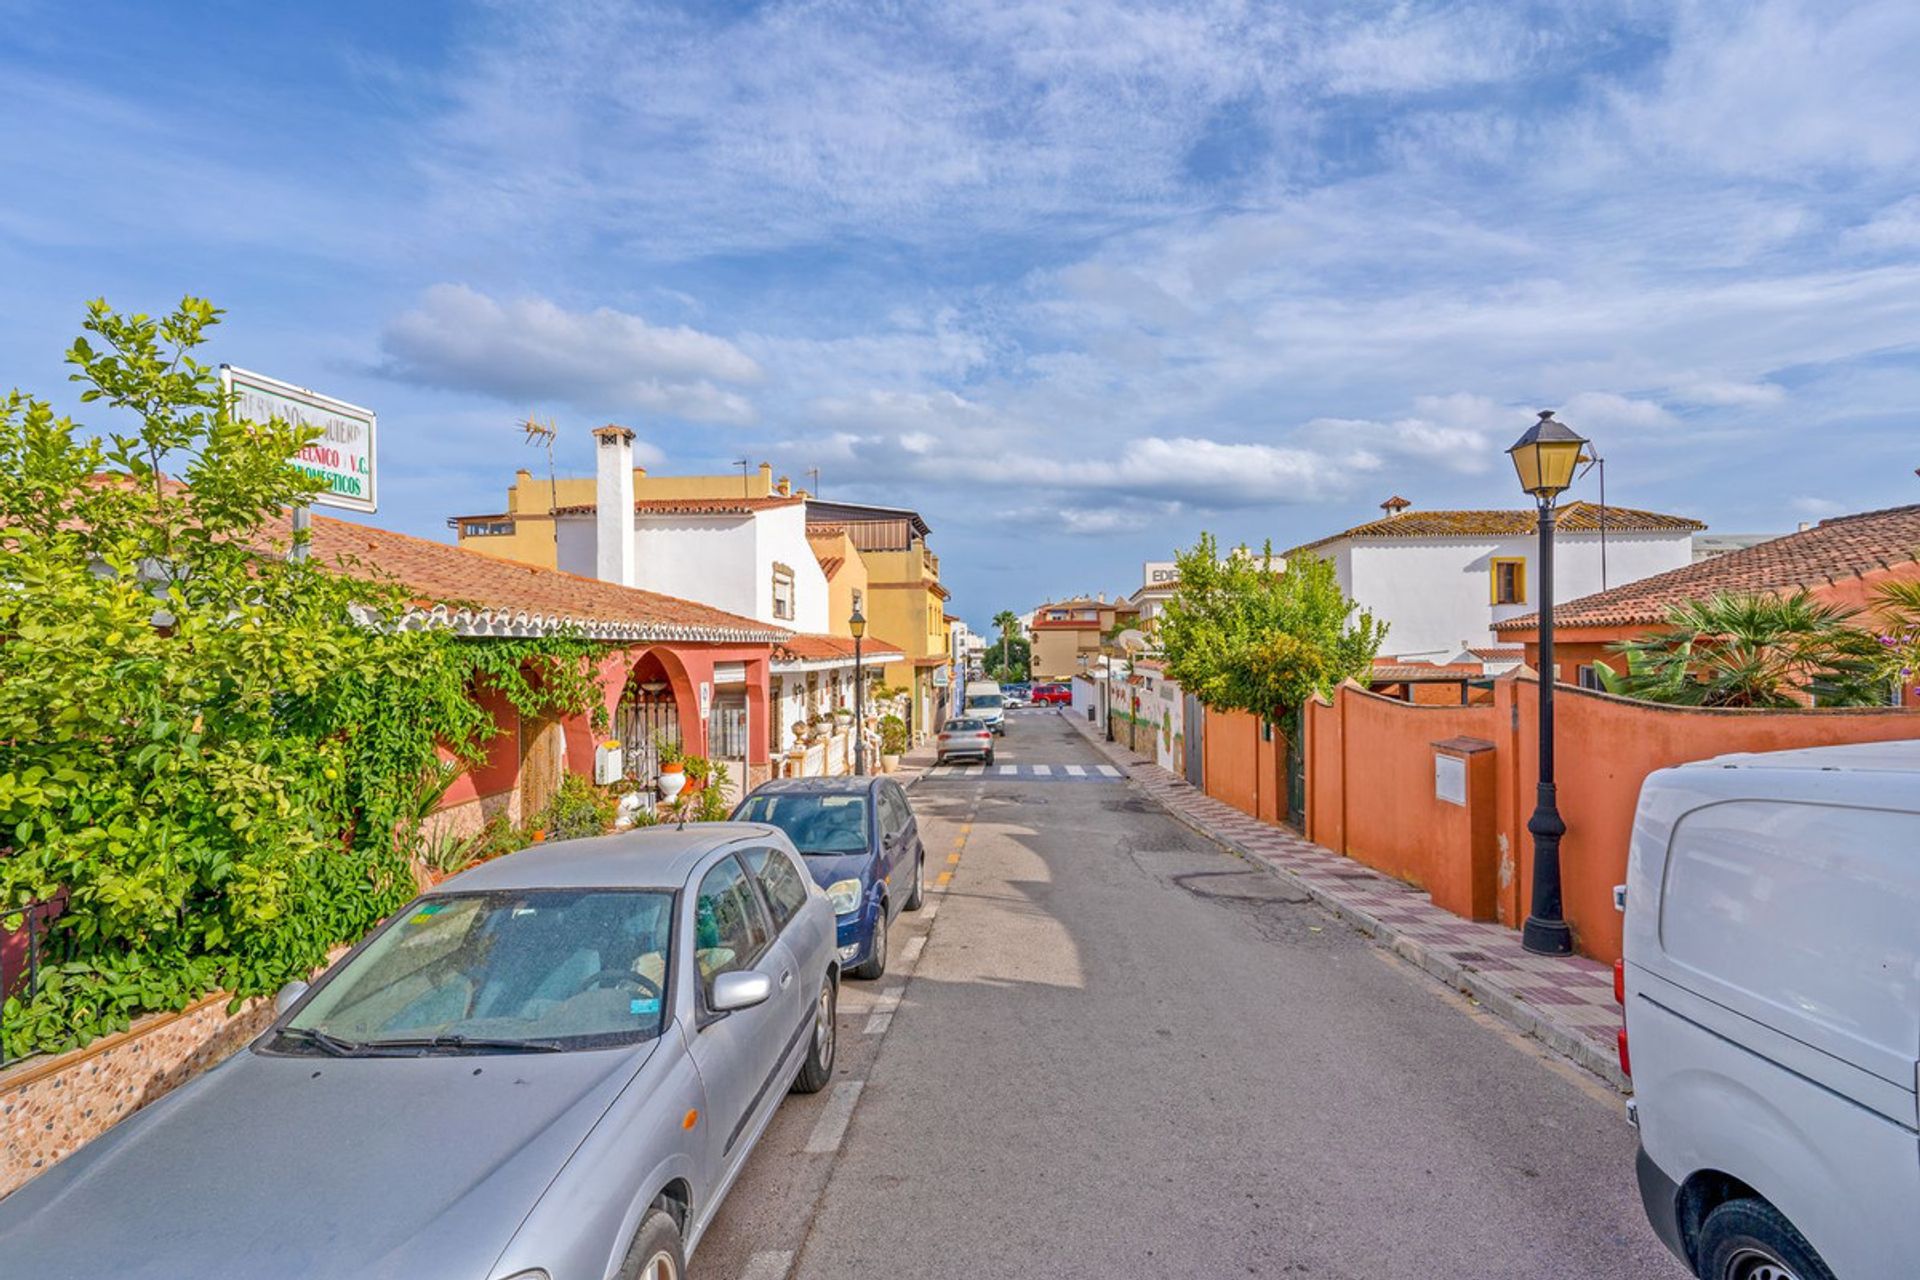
(1753, 650)
(1008, 660)
(1242, 632)
(210, 750)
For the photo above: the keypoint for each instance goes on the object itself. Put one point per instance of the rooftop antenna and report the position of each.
(746, 489)
(538, 435)
(815, 473)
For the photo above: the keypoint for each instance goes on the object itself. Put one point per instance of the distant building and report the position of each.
(1158, 580)
(1444, 580)
(1708, 545)
(1069, 635)
(904, 599)
(524, 529)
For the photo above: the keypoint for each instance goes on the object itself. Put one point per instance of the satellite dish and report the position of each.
(1133, 641)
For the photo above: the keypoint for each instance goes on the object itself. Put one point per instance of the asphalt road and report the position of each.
(1117, 1050)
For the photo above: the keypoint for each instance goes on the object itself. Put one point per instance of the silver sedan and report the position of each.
(550, 1068)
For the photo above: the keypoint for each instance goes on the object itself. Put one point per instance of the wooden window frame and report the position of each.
(1519, 564)
(782, 574)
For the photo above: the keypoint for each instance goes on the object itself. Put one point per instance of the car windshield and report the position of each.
(983, 701)
(534, 969)
(815, 823)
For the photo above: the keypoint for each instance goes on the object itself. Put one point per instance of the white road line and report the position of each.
(769, 1264)
(883, 1008)
(831, 1127)
(929, 911)
(910, 953)
(1076, 770)
(1008, 770)
(1042, 770)
(973, 770)
(1109, 771)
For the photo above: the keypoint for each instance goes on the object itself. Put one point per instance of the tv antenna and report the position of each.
(746, 489)
(543, 435)
(815, 473)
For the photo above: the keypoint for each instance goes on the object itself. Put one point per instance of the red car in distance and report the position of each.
(1052, 695)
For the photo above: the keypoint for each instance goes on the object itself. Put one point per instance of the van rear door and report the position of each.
(1774, 1003)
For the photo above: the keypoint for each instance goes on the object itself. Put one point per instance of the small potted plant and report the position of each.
(893, 742)
(673, 769)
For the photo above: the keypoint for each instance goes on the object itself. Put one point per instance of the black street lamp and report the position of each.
(1545, 459)
(857, 627)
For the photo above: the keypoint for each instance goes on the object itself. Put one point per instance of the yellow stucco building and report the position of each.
(904, 601)
(524, 531)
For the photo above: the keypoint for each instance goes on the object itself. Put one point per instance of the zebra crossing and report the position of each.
(1028, 772)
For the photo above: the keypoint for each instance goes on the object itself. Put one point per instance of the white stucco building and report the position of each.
(747, 555)
(1441, 579)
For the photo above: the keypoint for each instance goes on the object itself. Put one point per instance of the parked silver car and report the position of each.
(552, 1067)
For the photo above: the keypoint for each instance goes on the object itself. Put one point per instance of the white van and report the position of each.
(1772, 991)
(984, 701)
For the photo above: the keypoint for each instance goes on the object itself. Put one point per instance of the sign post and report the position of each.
(342, 458)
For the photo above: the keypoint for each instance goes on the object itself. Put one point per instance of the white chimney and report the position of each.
(613, 505)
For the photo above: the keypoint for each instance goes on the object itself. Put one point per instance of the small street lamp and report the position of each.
(1545, 459)
(857, 628)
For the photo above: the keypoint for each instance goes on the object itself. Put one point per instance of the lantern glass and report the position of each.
(857, 625)
(1546, 457)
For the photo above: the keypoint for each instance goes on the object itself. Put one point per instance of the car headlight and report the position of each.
(845, 896)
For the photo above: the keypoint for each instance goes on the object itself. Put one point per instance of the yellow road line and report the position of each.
(945, 876)
(952, 858)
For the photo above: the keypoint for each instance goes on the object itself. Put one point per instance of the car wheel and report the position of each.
(989, 757)
(876, 962)
(656, 1253)
(1752, 1240)
(918, 898)
(818, 1068)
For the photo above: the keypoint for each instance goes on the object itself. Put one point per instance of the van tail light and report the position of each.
(1626, 1063)
(1620, 983)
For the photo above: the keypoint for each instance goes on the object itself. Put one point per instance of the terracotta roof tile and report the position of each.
(830, 565)
(494, 596)
(812, 646)
(1830, 552)
(692, 506)
(1575, 517)
(1422, 672)
(1498, 653)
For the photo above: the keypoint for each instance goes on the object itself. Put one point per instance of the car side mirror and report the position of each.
(288, 996)
(741, 989)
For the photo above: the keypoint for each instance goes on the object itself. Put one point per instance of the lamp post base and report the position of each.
(1546, 937)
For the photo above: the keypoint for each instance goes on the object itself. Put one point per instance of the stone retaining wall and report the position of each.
(49, 1107)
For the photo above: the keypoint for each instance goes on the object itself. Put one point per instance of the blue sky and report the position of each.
(1077, 278)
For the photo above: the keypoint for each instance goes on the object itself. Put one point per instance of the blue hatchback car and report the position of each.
(859, 839)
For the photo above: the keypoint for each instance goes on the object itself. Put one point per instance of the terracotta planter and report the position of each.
(889, 763)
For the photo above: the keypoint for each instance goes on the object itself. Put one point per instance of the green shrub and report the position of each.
(578, 809)
(218, 752)
(893, 735)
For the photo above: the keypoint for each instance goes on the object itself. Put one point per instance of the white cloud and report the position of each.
(1600, 411)
(1893, 228)
(531, 348)
(1730, 392)
(1410, 50)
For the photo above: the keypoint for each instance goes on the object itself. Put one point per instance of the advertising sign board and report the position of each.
(342, 458)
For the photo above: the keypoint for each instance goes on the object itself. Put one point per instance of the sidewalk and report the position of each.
(1565, 1002)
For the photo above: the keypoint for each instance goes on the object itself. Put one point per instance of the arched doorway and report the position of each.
(648, 715)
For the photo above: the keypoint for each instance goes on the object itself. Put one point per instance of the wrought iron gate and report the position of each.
(642, 720)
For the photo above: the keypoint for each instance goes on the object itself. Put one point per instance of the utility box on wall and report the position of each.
(609, 762)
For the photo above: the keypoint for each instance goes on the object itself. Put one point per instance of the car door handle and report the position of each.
(786, 978)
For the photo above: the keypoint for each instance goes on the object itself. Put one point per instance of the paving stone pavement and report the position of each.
(1566, 1002)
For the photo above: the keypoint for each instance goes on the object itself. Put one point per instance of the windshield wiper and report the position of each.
(332, 1044)
(460, 1043)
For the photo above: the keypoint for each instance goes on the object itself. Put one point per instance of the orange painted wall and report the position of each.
(1605, 748)
(1371, 785)
(1232, 759)
(1371, 781)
